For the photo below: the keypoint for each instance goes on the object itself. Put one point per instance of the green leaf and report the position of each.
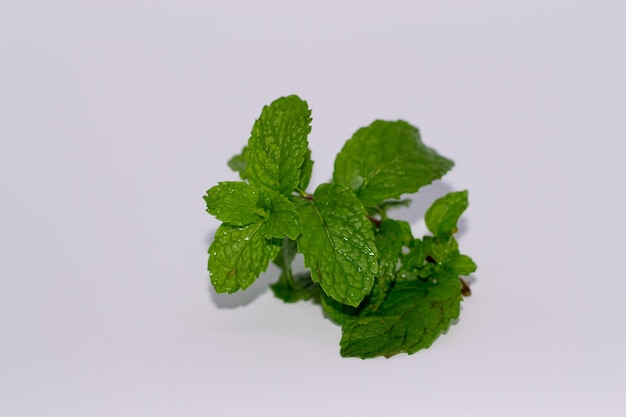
(238, 164)
(336, 311)
(391, 237)
(278, 145)
(240, 204)
(461, 264)
(238, 255)
(411, 318)
(283, 219)
(237, 203)
(416, 256)
(442, 216)
(299, 288)
(306, 171)
(414, 263)
(338, 244)
(440, 249)
(385, 160)
(434, 258)
(397, 230)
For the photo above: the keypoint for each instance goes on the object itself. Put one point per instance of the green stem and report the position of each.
(287, 253)
(303, 193)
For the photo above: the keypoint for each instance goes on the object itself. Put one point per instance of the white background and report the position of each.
(116, 116)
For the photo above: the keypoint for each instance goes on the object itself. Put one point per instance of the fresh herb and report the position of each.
(390, 292)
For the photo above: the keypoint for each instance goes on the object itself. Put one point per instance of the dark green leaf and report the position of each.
(416, 256)
(391, 237)
(299, 288)
(336, 311)
(411, 318)
(385, 160)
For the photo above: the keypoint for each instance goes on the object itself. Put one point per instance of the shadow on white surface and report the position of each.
(245, 297)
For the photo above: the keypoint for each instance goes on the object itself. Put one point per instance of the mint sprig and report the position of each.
(389, 291)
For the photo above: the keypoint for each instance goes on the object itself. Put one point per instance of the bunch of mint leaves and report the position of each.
(390, 292)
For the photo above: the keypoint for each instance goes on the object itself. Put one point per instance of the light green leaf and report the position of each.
(385, 160)
(338, 244)
(411, 318)
(238, 255)
(237, 203)
(442, 216)
(278, 145)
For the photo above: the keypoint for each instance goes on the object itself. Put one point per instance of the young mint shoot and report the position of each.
(390, 292)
